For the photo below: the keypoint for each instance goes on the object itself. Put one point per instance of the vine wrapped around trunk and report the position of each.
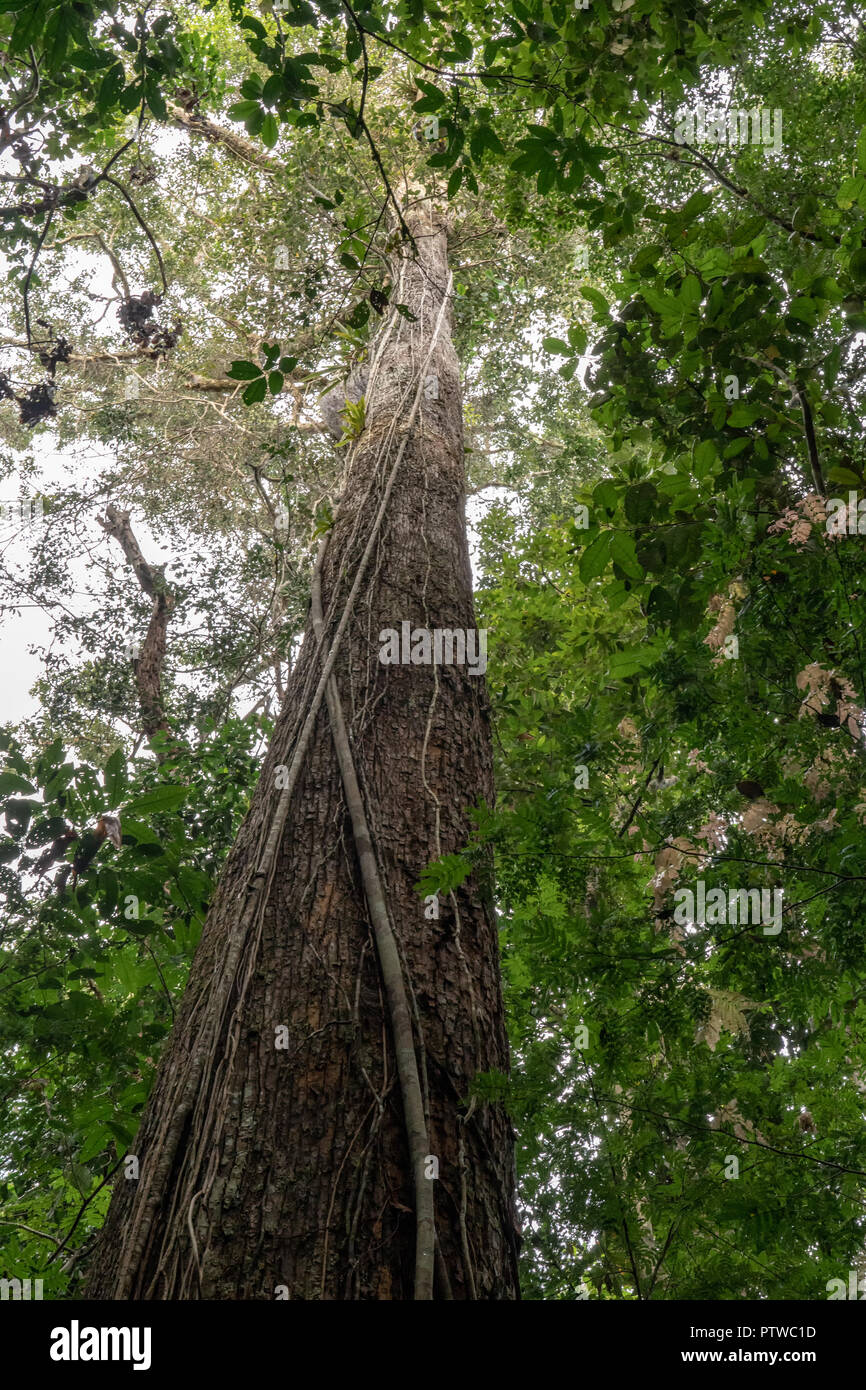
(273, 1151)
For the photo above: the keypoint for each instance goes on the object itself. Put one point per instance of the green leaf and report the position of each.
(705, 456)
(241, 370)
(852, 190)
(606, 494)
(110, 887)
(124, 1133)
(14, 782)
(804, 310)
(845, 476)
(596, 299)
(691, 293)
(695, 205)
(640, 500)
(165, 798)
(89, 60)
(443, 875)
(270, 131)
(136, 832)
(110, 87)
(751, 228)
(533, 158)
(242, 110)
(114, 778)
(483, 139)
(737, 447)
(661, 604)
(663, 304)
(256, 392)
(622, 552)
(19, 813)
(631, 660)
(652, 556)
(743, 415)
(434, 94)
(825, 287)
(595, 557)
(141, 926)
(155, 98)
(625, 663)
(646, 257)
(273, 89)
(51, 758)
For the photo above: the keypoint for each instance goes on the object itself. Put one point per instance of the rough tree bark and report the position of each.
(283, 1171)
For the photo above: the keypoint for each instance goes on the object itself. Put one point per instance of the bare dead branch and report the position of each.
(151, 657)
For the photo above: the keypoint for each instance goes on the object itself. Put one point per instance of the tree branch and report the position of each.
(151, 657)
(221, 135)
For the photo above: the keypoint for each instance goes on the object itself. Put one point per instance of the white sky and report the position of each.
(19, 666)
(29, 627)
(19, 630)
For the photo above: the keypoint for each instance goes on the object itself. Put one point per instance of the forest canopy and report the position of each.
(656, 238)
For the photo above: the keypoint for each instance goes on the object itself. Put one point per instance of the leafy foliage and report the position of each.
(663, 365)
(90, 973)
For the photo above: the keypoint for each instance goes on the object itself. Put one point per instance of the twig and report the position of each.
(85, 1204)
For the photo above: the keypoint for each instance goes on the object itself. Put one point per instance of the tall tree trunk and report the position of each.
(273, 1152)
